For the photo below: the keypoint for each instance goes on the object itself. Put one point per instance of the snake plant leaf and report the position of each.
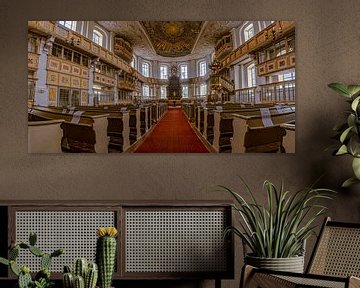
(349, 182)
(355, 103)
(356, 167)
(345, 134)
(340, 88)
(342, 150)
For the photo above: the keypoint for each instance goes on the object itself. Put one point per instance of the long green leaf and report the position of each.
(355, 103)
(340, 88)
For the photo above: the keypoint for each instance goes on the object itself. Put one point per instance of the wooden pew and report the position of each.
(208, 130)
(78, 138)
(133, 124)
(242, 123)
(189, 109)
(118, 123)
(201, 116)
(44, 136)
(90, 130)
(223, 124)
(264, 139)
(206, 120)
(118, 130)
(154, 113)
(289, 139)
(209, 125)
(144, 119)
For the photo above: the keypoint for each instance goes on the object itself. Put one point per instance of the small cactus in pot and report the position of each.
(85, 275)
(106, 254)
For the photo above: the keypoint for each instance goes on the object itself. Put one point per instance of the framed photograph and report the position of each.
(161, 86)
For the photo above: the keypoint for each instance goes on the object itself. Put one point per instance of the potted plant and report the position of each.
(42, 278)
(349, 132)
(276, 233)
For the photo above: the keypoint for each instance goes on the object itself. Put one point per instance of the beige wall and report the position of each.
(327, 50)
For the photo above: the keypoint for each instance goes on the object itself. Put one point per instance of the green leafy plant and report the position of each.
(349, 132)
(279, 229)
(42, 278)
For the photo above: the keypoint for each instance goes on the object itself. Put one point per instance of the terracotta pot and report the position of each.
(291, 264)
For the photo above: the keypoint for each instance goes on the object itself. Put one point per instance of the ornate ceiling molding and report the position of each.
(148, 44)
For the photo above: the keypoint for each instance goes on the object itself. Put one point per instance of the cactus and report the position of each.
(57, 252)
(84, 274)
(36, 251)
(105, 254)
(91, 276)
(67, 269)
(79, 282)
(32, 239)
(45, 261)
(68, 280)
(14, 268)
(24, 280)
(42, 278)
(13, 253)
(80, 267)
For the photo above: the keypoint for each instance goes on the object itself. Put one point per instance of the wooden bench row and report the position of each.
(90, 129)
(241, 128)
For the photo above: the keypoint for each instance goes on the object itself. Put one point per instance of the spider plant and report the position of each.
(349, 132)
(279, 229)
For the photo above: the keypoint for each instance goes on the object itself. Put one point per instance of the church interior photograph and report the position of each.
(161, 86)
(160, 151)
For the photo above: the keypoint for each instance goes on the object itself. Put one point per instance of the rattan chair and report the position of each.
(334, 263)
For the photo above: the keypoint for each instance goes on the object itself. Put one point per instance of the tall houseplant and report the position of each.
(279, 229)
(349, 132)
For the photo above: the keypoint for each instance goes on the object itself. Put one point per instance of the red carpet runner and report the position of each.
(173, 134)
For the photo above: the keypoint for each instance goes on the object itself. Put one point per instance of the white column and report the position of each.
(116, 90)
(242, 79)
(91, 85)
(41, 90)
(237, 77)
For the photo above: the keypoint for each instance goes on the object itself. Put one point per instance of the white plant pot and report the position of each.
(291, 264)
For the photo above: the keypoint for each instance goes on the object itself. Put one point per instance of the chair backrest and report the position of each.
(337, 251)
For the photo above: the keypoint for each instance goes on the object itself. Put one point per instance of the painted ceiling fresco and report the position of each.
(159, 40)
(172, 38)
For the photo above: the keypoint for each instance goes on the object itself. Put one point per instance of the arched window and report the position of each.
(202, 68)
(183, 71)
(185, 91)
(163, 72)
(249, 32)
(163, 92)
(98, 37)
(203, 90)
(146, 91)
(68, 24)
(251, 75)
(287, 76)
(145, 69)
